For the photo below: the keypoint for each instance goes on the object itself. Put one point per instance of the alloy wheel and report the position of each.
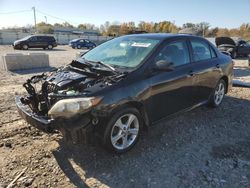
(125, 131)
(219, 93)
(50, 47)
(25, 47)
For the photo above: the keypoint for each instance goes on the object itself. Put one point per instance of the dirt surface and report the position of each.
(201, 148)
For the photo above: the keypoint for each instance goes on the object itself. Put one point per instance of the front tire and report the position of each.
(123, 130)
(25, 47)
(78, 46)
(218, 94)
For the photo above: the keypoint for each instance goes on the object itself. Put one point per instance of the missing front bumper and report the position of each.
(40, 122)
(75, 130)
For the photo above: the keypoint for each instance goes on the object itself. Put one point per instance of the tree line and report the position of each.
(117, 29)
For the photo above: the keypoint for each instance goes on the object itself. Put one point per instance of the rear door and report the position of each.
(42, 41)
(82, 42)
(88, 43)
(206, 69)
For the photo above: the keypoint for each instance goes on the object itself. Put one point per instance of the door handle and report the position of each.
(217, 65)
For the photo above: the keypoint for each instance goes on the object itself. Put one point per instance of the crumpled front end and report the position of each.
(76, 130)
(63, 100)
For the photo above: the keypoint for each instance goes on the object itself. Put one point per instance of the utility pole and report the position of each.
(203, 30)
(45, 19)
(34, 11)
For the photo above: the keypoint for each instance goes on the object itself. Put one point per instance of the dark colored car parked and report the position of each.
(234, 48)
(82, 43)
(124, 85)
(35, 41)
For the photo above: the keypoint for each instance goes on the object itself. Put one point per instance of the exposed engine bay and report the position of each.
(79, 78)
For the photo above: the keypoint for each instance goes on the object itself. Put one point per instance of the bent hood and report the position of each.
(79, 78)
(224, 40)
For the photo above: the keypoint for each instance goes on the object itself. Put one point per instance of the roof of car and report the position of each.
(40, 35)
(162, 36)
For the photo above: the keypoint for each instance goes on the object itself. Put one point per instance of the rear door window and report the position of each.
(40, 38)
(213, 53)
(51, 39)
(201, 50)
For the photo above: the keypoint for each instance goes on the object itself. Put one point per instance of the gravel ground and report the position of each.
(201, 148)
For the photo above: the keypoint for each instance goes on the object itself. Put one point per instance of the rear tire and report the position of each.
(50, 47)
(123, 130)
(218, 94)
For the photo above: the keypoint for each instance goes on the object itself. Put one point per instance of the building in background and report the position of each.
(191, 31)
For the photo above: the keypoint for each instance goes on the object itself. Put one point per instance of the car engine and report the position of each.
(73, 80)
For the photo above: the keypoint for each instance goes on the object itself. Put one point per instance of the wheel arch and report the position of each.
(140, 107)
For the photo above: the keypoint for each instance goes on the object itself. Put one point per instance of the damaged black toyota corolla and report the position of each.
(124, 85)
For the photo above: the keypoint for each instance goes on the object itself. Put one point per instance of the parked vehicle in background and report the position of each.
(235, 48)
(249, 60)
(242, 48)
(126, 84)
(82, 43)
(35, 41)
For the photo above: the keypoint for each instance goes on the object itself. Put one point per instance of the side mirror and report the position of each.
(163, 65)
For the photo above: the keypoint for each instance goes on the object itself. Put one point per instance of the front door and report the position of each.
(33, 42)
(171, 91)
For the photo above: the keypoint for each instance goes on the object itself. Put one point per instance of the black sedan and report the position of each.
(234, 48)
(119, 88)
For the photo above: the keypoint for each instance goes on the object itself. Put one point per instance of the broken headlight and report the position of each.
(71, 107)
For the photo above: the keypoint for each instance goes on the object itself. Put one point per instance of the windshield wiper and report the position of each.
(79, 64)
(105, 65)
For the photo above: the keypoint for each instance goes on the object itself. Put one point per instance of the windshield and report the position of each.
(25, 38)
(127, 51)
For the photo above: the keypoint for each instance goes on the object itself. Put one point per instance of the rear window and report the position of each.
(51, 38)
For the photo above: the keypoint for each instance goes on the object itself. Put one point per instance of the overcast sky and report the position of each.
(221, 13)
